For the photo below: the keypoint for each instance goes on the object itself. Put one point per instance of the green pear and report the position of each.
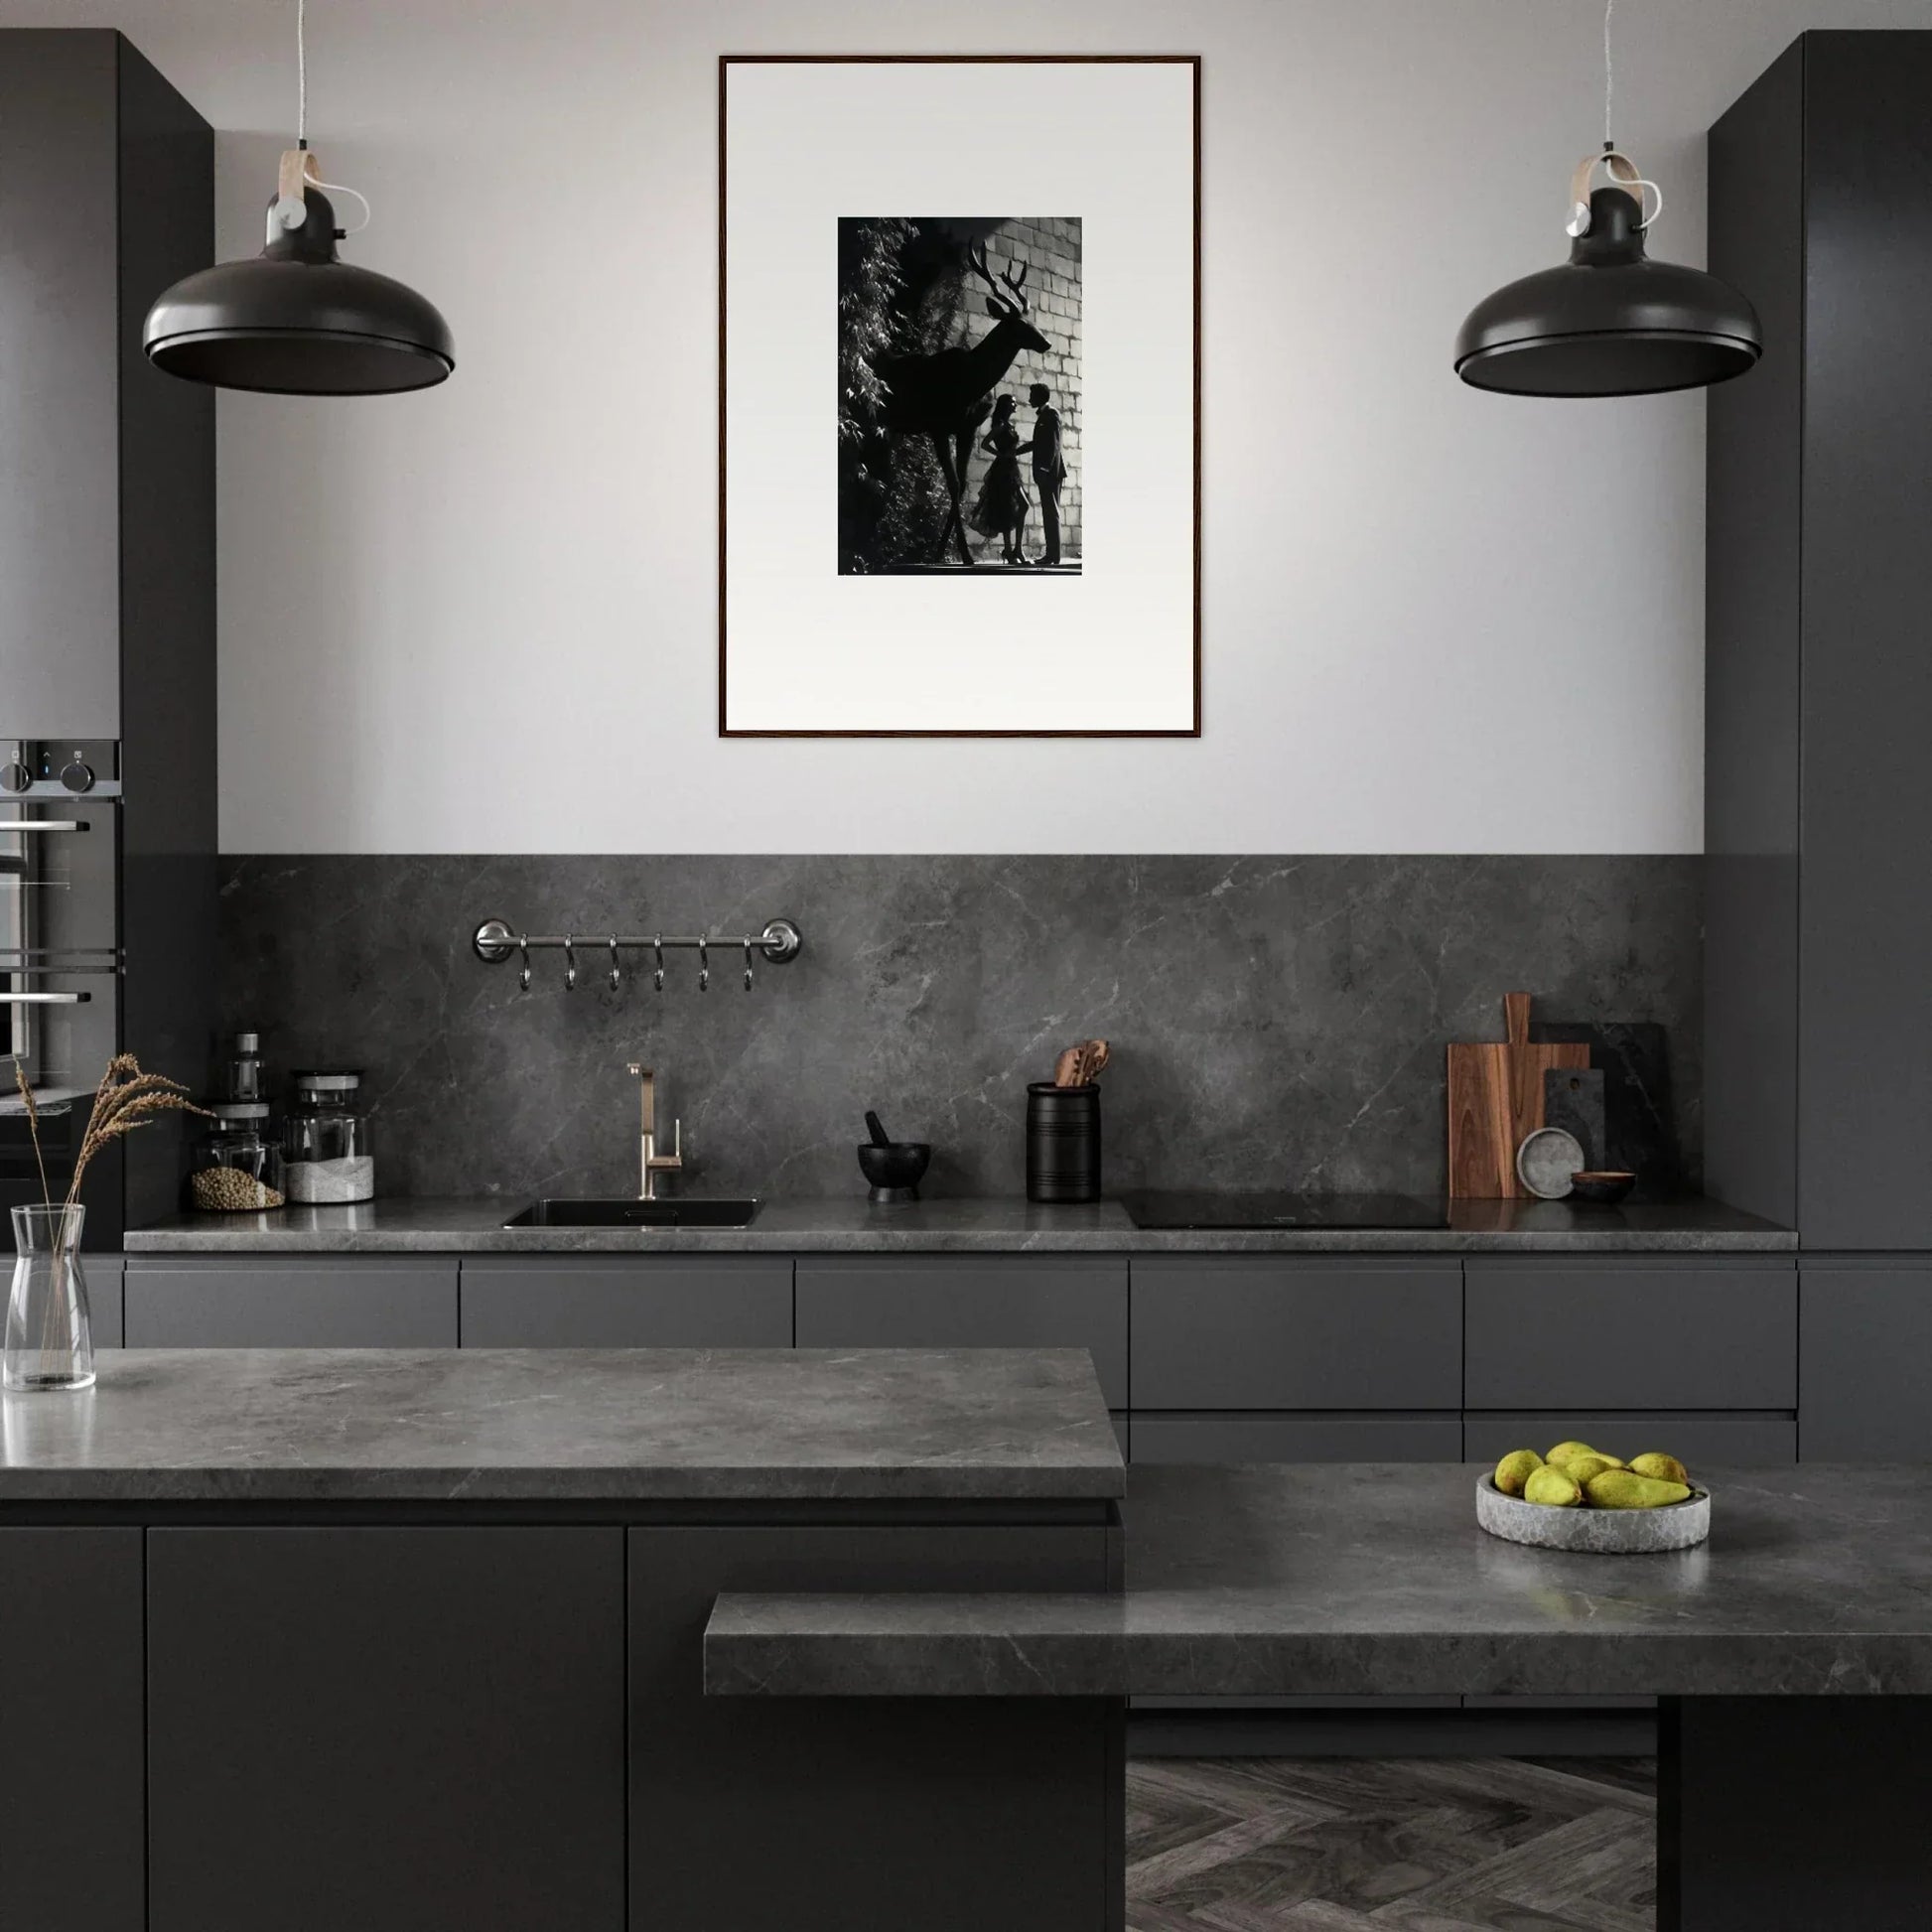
(1625, 1489)
(1550, 1486)
(1515, 1469)
(1666, 1468)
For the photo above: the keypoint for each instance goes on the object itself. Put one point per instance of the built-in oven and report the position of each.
(60, 950)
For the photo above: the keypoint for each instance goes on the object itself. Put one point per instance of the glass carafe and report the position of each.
(49, 1337)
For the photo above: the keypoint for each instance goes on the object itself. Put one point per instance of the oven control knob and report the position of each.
(78, 777)
(15, 776)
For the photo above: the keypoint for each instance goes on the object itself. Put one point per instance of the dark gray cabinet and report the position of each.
(71, 1772)
(401, 1729)
(104, 1273)
(106, 465)
(1234, 1437)
(668, 1301)
(1738, 1438)
(272, 1302)
(1273, 1332)
(1818, 790)
(1868, 1354)
(739, 1804)
(1665, 1332)
(960, 1302)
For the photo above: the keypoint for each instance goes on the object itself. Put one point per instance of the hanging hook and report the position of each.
(704, 966)
(616, 971)
(570, 962)
(657, 980)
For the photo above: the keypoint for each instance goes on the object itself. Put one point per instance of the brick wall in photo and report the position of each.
(1050, 248)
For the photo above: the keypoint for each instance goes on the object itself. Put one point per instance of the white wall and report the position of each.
(482, 618)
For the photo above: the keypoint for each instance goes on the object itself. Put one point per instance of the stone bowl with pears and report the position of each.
(1583, 1498)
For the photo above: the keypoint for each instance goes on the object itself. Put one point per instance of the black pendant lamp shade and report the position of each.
(297, 321)
(1609, 321)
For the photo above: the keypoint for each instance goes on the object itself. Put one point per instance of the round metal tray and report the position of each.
(1601, 1531)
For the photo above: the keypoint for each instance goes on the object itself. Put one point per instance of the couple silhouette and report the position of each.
(1002, 507)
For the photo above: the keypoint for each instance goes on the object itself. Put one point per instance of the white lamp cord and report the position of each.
(290, 213)
(1621, 169)
(1610, 71)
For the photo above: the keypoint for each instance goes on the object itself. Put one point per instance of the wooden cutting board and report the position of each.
(1496, 1098)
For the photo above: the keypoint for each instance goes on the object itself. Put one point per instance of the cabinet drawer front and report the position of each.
(1642, 1335)
(1241, 1334)
(699, 1303)
(1739, 1440)
(405, 1728)
(1297, 1439)
(943, 1302)
(266, 1301)
(1868, 1351)
(104, 1273)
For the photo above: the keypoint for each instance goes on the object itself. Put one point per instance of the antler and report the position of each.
(1008, 290)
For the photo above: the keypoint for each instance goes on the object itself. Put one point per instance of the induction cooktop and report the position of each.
(1271, 1210)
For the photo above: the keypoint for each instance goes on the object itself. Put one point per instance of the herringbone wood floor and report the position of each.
(1391, 1844)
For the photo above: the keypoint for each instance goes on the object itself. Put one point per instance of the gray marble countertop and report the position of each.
(956, 1226)
(562, 1425)
(1373, 1579)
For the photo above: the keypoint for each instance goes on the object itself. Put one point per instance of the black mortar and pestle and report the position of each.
(892, 1167)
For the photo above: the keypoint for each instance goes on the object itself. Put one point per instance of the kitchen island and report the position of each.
(396, 1639)
(1793, 1651)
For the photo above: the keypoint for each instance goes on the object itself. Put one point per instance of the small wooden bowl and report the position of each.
(1604, 1186)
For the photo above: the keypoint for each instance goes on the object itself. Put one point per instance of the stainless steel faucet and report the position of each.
(650, 1163)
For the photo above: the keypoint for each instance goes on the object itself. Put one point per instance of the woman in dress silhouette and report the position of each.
(1003, 505)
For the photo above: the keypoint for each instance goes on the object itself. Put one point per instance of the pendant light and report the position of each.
(1609, 321)
(296, 320)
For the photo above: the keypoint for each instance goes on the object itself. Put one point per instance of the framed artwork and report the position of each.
(959, 396)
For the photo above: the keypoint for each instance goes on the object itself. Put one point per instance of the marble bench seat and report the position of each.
(1373, 1579)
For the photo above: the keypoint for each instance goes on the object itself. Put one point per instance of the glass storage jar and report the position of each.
(328, 1157)
(235, 1167)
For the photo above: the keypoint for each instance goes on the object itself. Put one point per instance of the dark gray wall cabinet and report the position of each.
(670, 1301)
(1546, 1334)
(403, 1729)
(271, 1302)
(1819, 684)
(72, 1775)
(955, 1302)
(107, 535)
(1265, 1334)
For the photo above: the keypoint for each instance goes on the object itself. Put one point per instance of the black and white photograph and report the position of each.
(959, 394)
(961, 347)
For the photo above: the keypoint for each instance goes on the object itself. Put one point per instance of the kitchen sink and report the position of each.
(635, 1213)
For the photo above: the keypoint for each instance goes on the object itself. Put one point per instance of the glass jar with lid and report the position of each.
(235, 1167)
(328, 1153)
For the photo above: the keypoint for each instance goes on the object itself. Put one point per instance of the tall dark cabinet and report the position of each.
(107, 699)
(1818, 715)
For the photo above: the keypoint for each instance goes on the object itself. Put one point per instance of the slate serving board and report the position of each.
(1639, 1126)
(1573, 1099)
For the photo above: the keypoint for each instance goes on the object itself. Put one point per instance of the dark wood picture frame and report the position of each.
(728, 60)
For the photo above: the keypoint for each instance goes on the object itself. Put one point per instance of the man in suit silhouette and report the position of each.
(1049, 466)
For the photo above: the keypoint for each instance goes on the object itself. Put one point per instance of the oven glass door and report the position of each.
(59, 967)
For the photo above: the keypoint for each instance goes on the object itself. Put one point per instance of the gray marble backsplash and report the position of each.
(1275, 1021)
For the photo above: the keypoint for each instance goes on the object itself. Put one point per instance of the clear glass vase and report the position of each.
(49, 1337)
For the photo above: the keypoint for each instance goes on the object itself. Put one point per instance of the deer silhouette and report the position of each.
(947, 395)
